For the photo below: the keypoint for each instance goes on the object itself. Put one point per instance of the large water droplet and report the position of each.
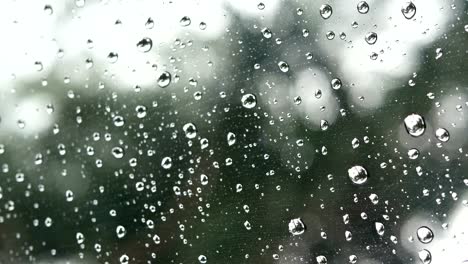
(371, 38)
(266, 33)
(336, 83)
(112, 57)
(164, 79)
(415, 125)
(190, 130)
(408, 10)
(380, 228)
(321, 259)
(283, 66)
(358, 174)
(145, 45)
(296, 227)
(425, 234)
(166, 163)
(185, 21)
(117, 152)
(326, 11)
(363, 7)
(249, 101)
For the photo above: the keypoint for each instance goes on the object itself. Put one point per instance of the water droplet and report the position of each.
(408, 10)
(117, 152)
(190, 130)
(326, 11)
(149, 24)
(425, 256)
(336, 83)
(261, 6)
(202, 259)
(363, 7)
(80, 238)
(439, 53)
(266, 33)
(48, 10)
(185, 21)
(425, 234)
(156, 239)
(442, 134)
(164, 79)
(297, 100)
(249, 101)
(166, 163)
(321, 259)
(145, 45)
(415, 125)
(358, 174)
(231, 138)
(380, 228)
(124, 259)
(203, 179)
(323, 125)
(296, 227)
(118, 121)
(371, 38)
(69, 195)
(120, 231)
(202, 26)
(283, 66)
(413, 153)
(330, 35)
(112, 57)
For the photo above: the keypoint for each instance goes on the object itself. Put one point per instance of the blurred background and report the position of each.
(196, 131)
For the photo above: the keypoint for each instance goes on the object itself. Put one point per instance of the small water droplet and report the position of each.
(202, 259)
(166, 163)
(439, 53)
(117, 152)
(231, 138)
(321, 259)
(261, 6)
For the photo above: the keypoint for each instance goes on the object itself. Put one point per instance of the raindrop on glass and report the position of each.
(249, 101)
(415, 125)
(145, 45)
(442, 134)
(425, 234)
(283, 66)
(371, 38)
(357, 174)
(164, 79)
(326, 11)
(363, 7)
(190, 130)
(185, 21)
(408, 10)
(296, 227)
